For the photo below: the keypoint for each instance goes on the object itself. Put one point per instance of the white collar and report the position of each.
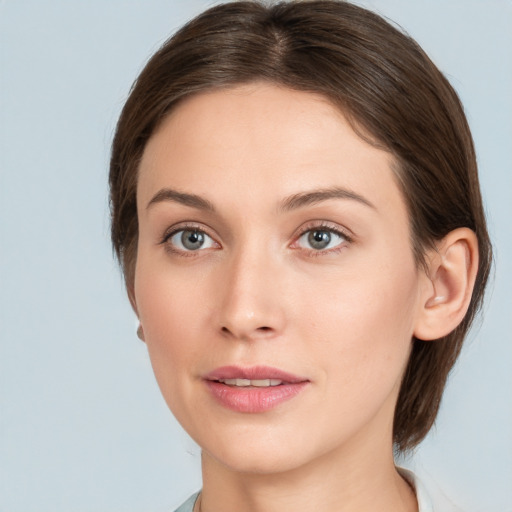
(424, 501)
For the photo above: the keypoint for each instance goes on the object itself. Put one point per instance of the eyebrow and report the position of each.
(293, 202)
(192, 200)
(317, 196)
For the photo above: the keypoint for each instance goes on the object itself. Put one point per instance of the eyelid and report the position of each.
(309, 226)
(322, 225)
(184, 226)
(327, 226)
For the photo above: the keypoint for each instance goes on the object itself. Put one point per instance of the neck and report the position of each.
(333, 483)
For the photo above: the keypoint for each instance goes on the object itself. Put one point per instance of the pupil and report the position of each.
(319, 239)
(192, 239)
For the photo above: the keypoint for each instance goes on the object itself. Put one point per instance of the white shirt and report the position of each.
(425, 499)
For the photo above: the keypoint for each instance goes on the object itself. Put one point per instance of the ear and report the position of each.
(452, 269)
(131, 297)
(130, 290)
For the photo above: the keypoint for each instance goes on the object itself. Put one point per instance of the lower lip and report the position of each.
(253, 399)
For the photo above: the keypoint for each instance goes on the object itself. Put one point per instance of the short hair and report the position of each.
(386, 86)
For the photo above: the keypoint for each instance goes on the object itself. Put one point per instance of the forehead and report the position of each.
(266, 142)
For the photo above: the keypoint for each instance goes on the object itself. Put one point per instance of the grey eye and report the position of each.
(320, 239)
(191, 240)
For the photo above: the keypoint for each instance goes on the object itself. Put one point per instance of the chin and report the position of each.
(264, 451)
(257, 461)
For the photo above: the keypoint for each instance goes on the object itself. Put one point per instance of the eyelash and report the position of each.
(183, 227)
(328, 227)
(313, 226)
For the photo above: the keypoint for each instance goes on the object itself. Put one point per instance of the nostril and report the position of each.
(263, 330)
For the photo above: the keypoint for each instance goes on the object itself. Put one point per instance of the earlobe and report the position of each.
(452, 269)
(140, 333)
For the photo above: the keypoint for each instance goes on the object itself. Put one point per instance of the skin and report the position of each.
(257, 293)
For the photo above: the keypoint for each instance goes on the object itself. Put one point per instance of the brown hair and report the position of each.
(382, 81)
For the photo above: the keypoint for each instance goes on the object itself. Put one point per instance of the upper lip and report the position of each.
(253, 373)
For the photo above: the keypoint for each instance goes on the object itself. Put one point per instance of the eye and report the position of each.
(188, 240)
(321, 239)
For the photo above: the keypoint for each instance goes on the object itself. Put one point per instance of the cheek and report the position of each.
(169, 312)
(363, 324)
(167, 298)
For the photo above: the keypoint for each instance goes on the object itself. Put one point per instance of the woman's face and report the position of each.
(275, 280)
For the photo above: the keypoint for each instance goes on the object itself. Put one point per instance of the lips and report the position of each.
(258, 383)
(253, 390)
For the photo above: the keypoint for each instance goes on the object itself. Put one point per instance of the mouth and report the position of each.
(256, 383)
(255, 389)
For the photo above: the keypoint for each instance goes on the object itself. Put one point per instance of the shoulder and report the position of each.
(430, 497)
(188, 506)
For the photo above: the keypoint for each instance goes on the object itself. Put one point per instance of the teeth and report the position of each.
(257, 383)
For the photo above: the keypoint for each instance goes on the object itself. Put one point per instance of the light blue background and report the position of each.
(82, 423)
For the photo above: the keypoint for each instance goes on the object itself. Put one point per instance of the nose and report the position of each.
(252, 304)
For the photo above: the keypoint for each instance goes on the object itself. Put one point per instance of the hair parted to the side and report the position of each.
(382, 81)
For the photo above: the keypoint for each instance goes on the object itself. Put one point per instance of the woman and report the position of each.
(296, 208)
